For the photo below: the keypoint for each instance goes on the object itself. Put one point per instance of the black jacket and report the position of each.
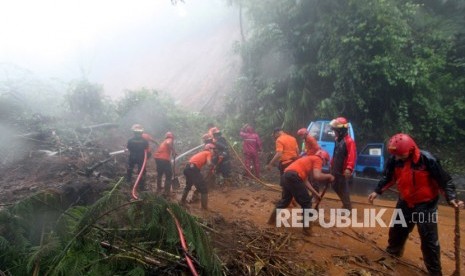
(433, 166)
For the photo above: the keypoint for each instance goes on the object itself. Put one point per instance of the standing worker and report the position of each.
(251, 145)
(311, 145)
(137, 147)
(163, 160)
(287, 150)
(193, 174)
(222, 160)
(419, 177)
(343, 162)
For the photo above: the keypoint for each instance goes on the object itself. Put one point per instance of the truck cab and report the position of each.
(370, 160)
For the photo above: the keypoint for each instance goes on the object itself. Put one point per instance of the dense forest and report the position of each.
(386, 65)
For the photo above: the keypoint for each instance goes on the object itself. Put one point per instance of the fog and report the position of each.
(183, 49)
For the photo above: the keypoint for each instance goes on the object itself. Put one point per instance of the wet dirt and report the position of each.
(235, 210)
(342, 251)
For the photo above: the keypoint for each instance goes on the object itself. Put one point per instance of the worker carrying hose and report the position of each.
(163, 160)
(137, 147)
(419, 177)
(194, 177)
(222, 158)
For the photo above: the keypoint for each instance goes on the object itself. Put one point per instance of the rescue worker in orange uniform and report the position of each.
(343, 162)
(138, 148)
(311, 145)
(295, 181)
(287, 150)
(193, 174)
(163, 160)
(420, 178)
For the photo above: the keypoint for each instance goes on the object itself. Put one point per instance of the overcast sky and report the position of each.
(121, 44)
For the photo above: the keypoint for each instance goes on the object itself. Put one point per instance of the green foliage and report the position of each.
(387, 65)
(37, 234)
(85, 100)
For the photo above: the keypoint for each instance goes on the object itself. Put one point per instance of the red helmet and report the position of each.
(169, 135)
(302, 131)
(401, 144)
(209, 147)
(339, 122)
(323, 155)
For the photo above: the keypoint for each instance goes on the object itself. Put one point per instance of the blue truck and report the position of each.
(370, 160)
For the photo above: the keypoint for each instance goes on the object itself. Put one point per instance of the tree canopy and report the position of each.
(386, 65)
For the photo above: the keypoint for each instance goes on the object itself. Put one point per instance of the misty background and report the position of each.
(183, 49)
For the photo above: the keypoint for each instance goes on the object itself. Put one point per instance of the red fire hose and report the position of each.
(141, 172)
(183, 244)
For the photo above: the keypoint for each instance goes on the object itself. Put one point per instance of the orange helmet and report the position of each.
(401, 144)
(137, 128)
(169, 135)
(339, 122)
(209, 147)
(324, 155)
(302, 131)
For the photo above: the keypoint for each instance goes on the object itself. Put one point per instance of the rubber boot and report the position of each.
(272, 219)
(204, 201)
(184, 197)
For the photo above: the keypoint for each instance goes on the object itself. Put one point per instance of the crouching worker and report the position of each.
(193, 175)
(137, 147)
(419, 177)
(295, 182)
